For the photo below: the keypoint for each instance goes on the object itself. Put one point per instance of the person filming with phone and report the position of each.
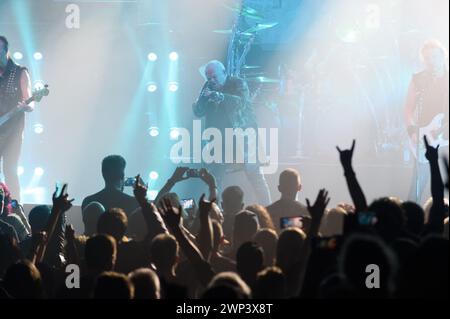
(112, 195)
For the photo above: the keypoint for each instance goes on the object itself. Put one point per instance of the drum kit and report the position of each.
(242, 36)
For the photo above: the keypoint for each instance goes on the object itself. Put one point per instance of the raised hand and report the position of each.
(171, 215)
(140, 191)
(431, 153)
(62, 203)
(205, 206)
(178, 175)
(318, 209)
(346, 156)
(207, 177)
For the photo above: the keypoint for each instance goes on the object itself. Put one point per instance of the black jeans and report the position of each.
(254, 175)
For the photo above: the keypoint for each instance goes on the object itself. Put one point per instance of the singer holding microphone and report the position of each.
(224, 102)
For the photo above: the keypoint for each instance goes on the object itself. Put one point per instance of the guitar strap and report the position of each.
(10, 95)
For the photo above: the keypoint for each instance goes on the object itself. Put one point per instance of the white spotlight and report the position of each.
(38, 171)
(152, 87)
(37, 56)
(173, 56)
(153, 175)
(18, 55)
(173, 86)
(152, 56)
(174, 133)
(153, 131)
(38, 128)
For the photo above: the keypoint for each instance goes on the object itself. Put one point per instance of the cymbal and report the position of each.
(261, 26)
(250, 67)
(262, 79)
(229, 31)
(245, 11)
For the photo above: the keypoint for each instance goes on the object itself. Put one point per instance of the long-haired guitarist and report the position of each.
(427, 110)
(15, 87)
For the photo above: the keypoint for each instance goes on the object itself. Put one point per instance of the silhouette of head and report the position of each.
(112, 285)
(264, 218)
(290, 240)
(164, 252)
(146, 284)
(333, 222)
(267, 239)
(113, 170)
(434, 55)
(232, 200)
(233, 280)
(249, 261)
(415, 217)
(361, 251)
(100, 253)
(113, 222)
(428, 275)
(91, 214)
(244, 228)
(222, 293)
(390, 217)
(38, 218)
(289, 183)
(22, 280)
(270, 284)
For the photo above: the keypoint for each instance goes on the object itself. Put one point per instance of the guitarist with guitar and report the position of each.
(15, 88)
(427, 111)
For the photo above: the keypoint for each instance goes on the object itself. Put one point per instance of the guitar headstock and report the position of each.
(40, 93)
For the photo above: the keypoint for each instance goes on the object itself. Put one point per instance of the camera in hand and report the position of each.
(187, 203)
(14, 204)
(192, 172)
(130, 181)
(367, 218)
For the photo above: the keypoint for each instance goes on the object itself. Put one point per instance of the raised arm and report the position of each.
(210, 181)
(437, 213)
(356, 192)
(172, 218)
(316, 211)
(61, 204)
(153, 220)
(177, 176)
(71, 249)
(205, 236)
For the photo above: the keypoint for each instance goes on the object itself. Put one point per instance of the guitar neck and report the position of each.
(31, 99)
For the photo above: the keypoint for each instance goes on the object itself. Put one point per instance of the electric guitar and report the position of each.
(36, 96)
(434, 132)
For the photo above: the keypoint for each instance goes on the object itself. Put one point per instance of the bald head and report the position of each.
(289, 183)
(215, 74)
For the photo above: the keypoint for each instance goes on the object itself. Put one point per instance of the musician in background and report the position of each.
(427, 110)
(15, 87)
(224, 102)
